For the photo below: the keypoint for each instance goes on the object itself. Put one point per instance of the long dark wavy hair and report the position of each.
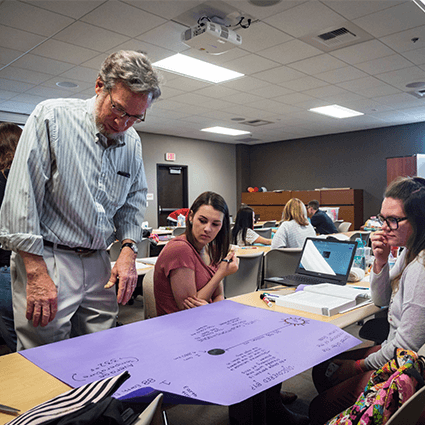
(411, 191)
(219, 247)
(244, 220)
(9, 137)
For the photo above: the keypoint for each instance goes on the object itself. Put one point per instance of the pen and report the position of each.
(271, 297)
(266, 300)
(7, 409)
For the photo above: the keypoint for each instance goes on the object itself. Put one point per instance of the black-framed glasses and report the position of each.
(392, 222)
(121, 113)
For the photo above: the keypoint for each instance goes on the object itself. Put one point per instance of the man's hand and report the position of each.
(42, 295)
(125, 270)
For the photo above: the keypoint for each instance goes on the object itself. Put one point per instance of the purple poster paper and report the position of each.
(222, 353)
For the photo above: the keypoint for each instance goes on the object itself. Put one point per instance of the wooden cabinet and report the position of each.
(269, 205)
(407, 166)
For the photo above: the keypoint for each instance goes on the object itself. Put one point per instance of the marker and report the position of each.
(271, 297)
(266, 300)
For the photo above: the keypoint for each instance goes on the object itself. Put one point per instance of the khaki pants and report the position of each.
(84, 306)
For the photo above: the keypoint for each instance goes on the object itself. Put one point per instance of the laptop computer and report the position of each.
(322, 260)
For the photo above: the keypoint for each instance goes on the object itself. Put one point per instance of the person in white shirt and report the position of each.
(243, 233)
(295, 227)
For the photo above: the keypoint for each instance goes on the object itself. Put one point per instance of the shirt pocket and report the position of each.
(119, 186)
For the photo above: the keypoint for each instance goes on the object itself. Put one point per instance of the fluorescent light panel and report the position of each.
(420, 4)
(336, 111)
(226, 131)
(195, 68)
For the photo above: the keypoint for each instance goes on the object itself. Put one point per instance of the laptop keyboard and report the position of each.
(308, 280)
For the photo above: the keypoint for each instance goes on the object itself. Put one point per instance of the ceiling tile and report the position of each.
(415, 56)
(294, 98)
(356, 8)
(291, 51)
(402, 77)
(217, 91)
(22, 41)
(271, 91)
(245, 83)
(73, 9)
(314, 16)
(317, 64)
(406, 40)
(279, 75)
(26, 76)
(123, 19)
(8, 55)
(305, 83)
(65, 52)
(168, 36)
(362, 52)
(32, 19)
(90, 37)
(339, 75)
(250, 64)
(14, 86)
(389, 63)
(81, 74)
(401, 17)
(40, 64)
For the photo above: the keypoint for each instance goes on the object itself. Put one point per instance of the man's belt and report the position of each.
(78, 250)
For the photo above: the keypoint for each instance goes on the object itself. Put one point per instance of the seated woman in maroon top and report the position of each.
(190, 269)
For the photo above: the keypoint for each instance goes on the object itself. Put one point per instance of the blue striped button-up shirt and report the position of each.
(68, 187)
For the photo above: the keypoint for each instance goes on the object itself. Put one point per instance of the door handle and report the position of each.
(159, 209)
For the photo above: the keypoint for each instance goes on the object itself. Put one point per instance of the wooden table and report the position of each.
(24, 385)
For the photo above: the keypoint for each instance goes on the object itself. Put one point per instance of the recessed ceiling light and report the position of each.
(415, 85)
(237, 119)
(67, 84)
(264, 3)
(195, 68)
(336, 111)
(224, 130)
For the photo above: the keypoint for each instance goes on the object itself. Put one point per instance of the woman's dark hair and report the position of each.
(219, 247)
(411, 191)
(244, 220)
(9, 137)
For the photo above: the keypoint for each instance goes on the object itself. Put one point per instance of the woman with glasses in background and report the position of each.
(341, 380)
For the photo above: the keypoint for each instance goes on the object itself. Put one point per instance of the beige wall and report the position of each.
(211, 166)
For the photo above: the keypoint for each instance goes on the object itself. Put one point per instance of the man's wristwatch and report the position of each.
(131, 245)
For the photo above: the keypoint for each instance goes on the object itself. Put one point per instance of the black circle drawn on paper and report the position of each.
(216, 351)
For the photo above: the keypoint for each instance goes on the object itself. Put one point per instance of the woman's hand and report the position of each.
(380, 249)
(229, 265)
(192, 302)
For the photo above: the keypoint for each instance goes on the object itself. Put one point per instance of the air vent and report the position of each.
(345, 34)
(256, 123)
(337, 37)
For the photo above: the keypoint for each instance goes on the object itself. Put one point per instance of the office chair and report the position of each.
(149, 305)
(410, 412)
(247, 278)
(179, 231)
(143, 247)
(344, 227)
(265, 233)
(271, 223)
(281, 262)
(377, 328)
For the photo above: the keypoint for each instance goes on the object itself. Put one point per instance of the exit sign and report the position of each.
(170, 156)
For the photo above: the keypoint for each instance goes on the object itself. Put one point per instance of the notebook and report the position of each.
(321, 261)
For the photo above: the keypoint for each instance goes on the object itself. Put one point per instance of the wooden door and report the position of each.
(172, 190)
(401, 166)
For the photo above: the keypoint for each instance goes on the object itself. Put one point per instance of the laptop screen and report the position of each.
(327, 258)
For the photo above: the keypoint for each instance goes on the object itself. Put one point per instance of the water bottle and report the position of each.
(181, 220)
(359, 257)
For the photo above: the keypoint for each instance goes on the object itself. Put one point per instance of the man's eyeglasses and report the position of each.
(392, 222)
(121, 113)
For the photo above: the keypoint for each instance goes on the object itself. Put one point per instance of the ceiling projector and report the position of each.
(211, 38)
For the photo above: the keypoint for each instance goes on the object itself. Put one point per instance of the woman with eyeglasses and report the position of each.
(402, 288)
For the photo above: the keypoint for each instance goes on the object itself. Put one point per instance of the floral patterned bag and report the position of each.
(387, 390)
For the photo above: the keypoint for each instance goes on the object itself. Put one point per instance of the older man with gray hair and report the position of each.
(77, 183)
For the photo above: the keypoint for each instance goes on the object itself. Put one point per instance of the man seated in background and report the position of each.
(322, 223)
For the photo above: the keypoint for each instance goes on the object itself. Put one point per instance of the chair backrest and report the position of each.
(271, 223)
(264, 232)
(149, 305)
(337, 223)
(343, 227)
(281, 262)
(247, 278)
(364, 236)
(152, 415)
(179, 231)
(144, 248)
(410, 411)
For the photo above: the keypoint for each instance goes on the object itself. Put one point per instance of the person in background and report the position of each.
(189, 273)
(77, 183)
(243, 232)
(322, 223)
(295, 227)
(9, 137)
(191, 267)
(401, 288)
